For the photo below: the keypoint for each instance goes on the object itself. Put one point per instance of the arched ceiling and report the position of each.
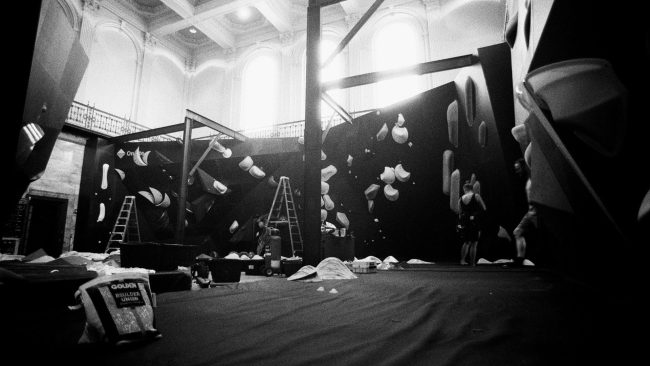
(196, 24)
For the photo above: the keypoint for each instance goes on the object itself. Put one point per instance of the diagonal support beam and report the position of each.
(353, 32)
(336, 107)
(418, 69)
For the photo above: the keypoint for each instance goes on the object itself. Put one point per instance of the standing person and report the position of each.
(527, 225)
(471, 207)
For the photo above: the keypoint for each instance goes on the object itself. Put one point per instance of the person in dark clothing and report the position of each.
(471, 207)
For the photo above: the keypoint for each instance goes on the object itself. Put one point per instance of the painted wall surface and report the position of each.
(165, 103)
(109, 81)
(206, 94)
(62, 179)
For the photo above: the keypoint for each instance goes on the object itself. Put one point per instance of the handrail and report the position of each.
(295, 128)
(105, 123)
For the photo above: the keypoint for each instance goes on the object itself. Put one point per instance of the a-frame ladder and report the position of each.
(283, 210)
(126, 225)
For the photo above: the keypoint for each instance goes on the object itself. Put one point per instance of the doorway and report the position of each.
(46, 225)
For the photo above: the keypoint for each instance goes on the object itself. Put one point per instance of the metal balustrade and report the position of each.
(104, 123)
(296, 128)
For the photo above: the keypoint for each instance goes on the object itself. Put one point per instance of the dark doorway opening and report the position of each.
(46, 225)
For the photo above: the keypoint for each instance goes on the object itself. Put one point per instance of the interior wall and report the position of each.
(206, 95)
(109, 81)
(62, 179)
(165, 103)
(439, 36)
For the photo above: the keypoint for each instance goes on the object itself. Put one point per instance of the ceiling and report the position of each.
(218, 24)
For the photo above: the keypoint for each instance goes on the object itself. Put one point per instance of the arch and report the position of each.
(110, 79)
(71, 13)
(208, 64)
(260, 84)
(122, 27)
(396, 42)
(415, 16)
(173, 58)
(244, 59)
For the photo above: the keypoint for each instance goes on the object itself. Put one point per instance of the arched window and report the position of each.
(109, 79)
(260, 91)
(395, 45)
(334, 70)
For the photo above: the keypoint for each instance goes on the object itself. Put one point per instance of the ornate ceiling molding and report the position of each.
(190, 41)
(91, 5)
(237, 27)
(145, 9)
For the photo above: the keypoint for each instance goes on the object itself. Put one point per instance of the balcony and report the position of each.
(91, 119)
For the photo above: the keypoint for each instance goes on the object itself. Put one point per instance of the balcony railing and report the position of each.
(296, 128)
(104, 123)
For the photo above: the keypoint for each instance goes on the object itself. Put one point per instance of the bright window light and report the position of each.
(334, 70)
(260, 92)
(396, 45)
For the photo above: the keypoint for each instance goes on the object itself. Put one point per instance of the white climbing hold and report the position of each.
(401, 174)
(246, 163)
(342, 219)
(324, 187)
(102, 212)
(256, 172)
(391, 193)
(388, 176)
(234, 226)
(400, 120)
(120, 172)
(381, 135)
(146, 195)
(371, 191)
(327, 172)
(329, 204)
(400, 134)
(220, 187)
(104, 184)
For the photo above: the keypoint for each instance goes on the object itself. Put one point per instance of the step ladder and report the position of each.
(126, 225)
(283, 210)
